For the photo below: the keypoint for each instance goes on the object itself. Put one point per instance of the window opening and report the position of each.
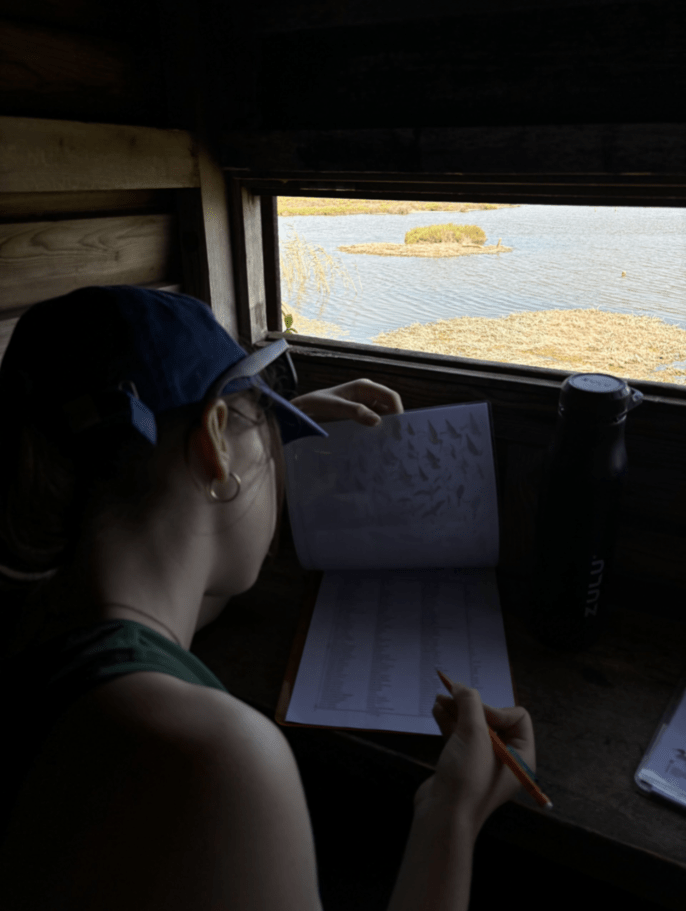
(579, 288)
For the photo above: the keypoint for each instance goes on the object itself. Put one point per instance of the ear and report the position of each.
(212, 440)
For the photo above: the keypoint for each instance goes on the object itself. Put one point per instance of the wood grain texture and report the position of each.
(206, 258)
(252, 226)
(248, 260)
(101, 202)
(58, 156)
(39, 260)
(272, 263)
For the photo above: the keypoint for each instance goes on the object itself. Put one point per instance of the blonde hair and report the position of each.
(50, 497)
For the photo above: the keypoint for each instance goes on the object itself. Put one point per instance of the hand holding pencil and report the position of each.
(477, 771)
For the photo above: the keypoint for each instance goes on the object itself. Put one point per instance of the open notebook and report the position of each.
(402, 519)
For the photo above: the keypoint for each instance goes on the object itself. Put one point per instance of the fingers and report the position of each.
(502, 719)
(444, 719)
(385, 399)
(498, 719)
(368, 417)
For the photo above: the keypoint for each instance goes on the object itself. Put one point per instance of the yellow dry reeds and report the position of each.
(422, 249)
(581, 340)
(308, 268)
(446, 233)
(305, 205)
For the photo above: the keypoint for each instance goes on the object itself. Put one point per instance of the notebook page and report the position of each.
(376, 637)
(665, 767)
(419, 490)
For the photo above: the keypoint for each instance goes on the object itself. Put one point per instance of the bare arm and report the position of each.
(436, 870)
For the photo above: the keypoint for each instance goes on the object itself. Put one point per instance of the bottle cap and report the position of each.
(598, 396)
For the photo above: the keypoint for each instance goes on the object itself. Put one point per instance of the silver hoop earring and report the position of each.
(213, 495)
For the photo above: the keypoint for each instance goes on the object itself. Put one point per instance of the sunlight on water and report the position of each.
(563, 257)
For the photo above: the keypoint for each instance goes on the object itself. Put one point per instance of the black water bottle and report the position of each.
(579, 509)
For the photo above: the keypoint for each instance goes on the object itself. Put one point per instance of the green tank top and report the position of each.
(39, 684)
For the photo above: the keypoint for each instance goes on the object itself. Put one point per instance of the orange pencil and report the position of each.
(510, 757)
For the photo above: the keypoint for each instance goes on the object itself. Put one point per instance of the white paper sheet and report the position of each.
(418, 490)
(664, 768)
(377, 637)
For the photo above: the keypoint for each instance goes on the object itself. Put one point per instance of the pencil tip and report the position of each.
(548, 806)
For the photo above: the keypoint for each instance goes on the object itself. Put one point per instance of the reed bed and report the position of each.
(578, 340)
(304, 205)
(447, 233)
(308, 271)
(581, 340)
(441, 249)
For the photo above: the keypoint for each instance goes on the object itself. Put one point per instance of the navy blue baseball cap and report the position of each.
(119, 353)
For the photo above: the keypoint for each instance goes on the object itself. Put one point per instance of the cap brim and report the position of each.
(292, 421)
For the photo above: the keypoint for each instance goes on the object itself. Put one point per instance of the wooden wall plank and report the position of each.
(103, 202)
(57, 156)
(192, 244)
(460, 65)
(216, 246)
(203, 214)
(580, 156)
(67, 74)
(246, 245)
(43, 259)
(531, 388)
(599, 64)
(272, 264)
(206, 256)
(239, 258)
(252, 222)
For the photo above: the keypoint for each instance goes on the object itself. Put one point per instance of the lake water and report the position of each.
(563, 257)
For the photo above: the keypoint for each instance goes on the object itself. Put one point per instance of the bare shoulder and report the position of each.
(202, 719)
(180, 795)
(110, 735)
(159, 701)
(162, 709)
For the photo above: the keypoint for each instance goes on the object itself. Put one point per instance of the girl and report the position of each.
(142, 483)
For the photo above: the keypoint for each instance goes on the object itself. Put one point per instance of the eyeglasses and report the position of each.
(255, 423)
(287, 378)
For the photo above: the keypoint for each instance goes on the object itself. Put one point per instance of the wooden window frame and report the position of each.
(254, 224)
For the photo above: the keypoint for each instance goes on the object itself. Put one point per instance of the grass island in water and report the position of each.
(576, 340)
